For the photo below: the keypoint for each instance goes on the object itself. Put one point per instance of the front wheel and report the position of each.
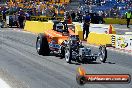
(100, 22)
(102, 54)
(68, 55)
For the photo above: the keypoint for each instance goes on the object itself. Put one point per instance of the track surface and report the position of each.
(22, 67)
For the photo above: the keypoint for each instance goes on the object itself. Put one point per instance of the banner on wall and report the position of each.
(44, 18)
(124, 42)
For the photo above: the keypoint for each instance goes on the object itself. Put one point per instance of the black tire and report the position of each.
(103, 54)
(42, 45)
(62, 52)
(68, 55)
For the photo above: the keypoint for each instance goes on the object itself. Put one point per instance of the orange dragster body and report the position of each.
(53, 40)
(57, 36)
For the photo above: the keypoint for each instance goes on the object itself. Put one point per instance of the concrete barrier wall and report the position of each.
(37, 27)
(78, 31)
(99, 39)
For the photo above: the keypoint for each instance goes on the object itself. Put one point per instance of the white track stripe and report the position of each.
(3, 84)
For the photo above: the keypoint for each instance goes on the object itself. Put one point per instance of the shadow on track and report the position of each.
(76, 63)
(91, 62)
(110, 62)
(79, 63)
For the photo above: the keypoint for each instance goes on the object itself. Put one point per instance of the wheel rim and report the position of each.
(67, 55)
(100, 22)
(102, 55)
(38, 45)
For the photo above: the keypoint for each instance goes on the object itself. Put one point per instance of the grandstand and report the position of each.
(111, 8)
(114, 7)
(51, 1)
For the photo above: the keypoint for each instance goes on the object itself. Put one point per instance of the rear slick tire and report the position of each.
(42, 45)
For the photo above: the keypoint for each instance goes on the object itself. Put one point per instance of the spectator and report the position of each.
(27, 16)
(15, 19)
(69, 21)
(73, 15)
(54, 15)
(4, 15)
(86, 25)
(21, 19)
(79, 16)
(128, 17)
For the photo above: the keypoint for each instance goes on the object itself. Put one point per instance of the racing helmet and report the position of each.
(59, 27)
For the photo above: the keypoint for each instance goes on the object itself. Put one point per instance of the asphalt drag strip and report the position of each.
(19, 58)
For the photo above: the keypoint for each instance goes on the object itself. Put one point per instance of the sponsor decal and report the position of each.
(44, 19)
(82, 78)
(121, 41)
(124, 42)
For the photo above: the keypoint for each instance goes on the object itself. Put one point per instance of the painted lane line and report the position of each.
(3, 84)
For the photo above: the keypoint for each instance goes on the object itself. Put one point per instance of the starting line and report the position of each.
(3, 84)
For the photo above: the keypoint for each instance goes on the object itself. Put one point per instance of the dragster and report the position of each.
(63, 41)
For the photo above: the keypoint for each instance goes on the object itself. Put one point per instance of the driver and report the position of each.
(59, 27)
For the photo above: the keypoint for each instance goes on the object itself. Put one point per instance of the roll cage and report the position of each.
(57, 26)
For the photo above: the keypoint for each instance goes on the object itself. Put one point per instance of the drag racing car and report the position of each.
(64, 42)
